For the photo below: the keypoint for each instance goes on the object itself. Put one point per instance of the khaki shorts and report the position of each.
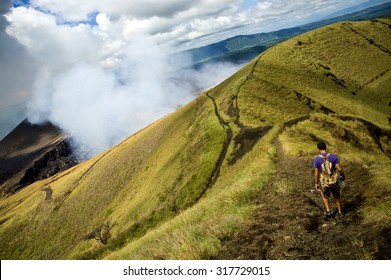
(335, 189)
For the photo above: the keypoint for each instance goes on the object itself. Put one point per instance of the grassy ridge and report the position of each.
(334, 66)
(181, 186)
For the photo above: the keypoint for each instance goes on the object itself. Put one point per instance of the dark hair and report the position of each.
(322, 145)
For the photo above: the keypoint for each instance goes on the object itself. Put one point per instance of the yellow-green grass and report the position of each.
(313, 64)
(196, 232)
(171, 191)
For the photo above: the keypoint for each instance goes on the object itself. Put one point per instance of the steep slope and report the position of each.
(191, 185)
(32, 152)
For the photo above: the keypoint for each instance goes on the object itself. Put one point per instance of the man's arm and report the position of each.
(340, 169)
(316, 177)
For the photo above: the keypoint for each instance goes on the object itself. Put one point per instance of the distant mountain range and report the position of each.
(241, 49)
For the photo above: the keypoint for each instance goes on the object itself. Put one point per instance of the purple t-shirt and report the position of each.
(318, 161)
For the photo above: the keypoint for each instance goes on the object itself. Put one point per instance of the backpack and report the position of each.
(329, 176)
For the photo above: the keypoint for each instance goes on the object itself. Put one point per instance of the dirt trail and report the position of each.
(292, 225)
(216, 172)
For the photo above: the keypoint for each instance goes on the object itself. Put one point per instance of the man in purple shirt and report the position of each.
(321, 183)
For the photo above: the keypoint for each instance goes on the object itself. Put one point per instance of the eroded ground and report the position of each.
(291, 225)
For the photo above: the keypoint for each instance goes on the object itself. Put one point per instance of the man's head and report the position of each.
(322, 146)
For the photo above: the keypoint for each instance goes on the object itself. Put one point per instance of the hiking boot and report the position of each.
(328, 214)
(341, 215)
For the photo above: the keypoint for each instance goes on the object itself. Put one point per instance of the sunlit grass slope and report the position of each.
(179, 187)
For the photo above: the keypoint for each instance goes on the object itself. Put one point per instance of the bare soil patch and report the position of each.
(292, 225)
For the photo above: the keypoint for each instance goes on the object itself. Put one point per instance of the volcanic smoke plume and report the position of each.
(98, 107)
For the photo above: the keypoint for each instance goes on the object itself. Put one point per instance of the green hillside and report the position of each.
(192, 184)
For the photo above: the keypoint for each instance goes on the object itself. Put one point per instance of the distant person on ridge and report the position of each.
(327, 179)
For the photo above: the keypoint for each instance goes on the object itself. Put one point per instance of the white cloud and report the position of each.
(79, 10)
(55, 46)
(100, 107)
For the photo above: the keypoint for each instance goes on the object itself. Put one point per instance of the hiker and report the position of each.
(327, 179)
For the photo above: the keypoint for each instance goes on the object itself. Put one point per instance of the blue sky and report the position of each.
(91, 17)
(246, 4)
(17, 3)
